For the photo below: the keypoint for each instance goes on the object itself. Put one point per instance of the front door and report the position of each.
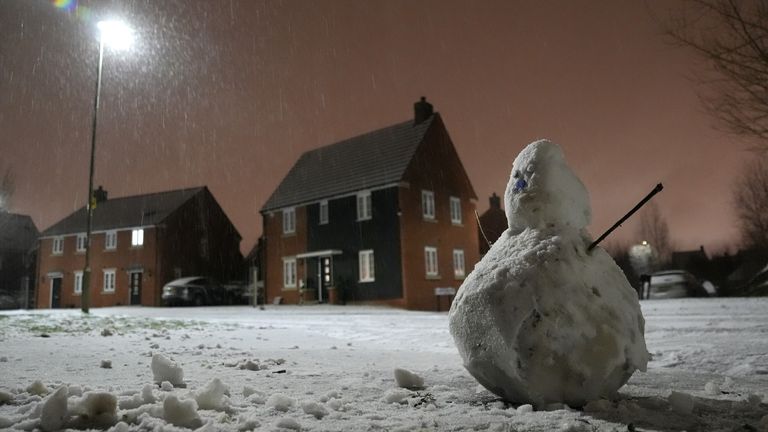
(135, 287)
(56, 292)
(325, 278)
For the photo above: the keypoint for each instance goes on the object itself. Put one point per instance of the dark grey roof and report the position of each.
(125, 212)
(17, 232)
(365, 161)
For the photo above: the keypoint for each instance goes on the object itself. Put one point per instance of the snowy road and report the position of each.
(342, 359)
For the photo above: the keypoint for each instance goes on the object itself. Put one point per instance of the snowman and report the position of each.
(542, 319)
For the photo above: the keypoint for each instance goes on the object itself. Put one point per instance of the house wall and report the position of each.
(124, 259)
(278, 246)
(344, 232)
(436, 167)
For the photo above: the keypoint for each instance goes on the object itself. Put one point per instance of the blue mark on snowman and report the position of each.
(520, 184)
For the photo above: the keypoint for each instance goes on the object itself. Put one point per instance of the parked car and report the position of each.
(675, 284)
(195, 291)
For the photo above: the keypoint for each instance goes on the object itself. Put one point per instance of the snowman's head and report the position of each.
(544, 192)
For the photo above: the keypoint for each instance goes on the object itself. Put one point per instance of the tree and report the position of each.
(654, 230)
(6, 190)
(751, 203)
(731, 36)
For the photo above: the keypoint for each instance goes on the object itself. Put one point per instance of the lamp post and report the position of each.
(116, 35)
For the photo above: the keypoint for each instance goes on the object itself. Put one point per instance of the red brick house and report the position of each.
(138, 244)
(384, 217)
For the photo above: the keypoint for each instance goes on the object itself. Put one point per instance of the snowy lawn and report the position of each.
(332, 368)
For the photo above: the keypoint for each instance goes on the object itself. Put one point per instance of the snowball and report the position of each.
(213, 396)
(249, 365)
(5, 397)
(166, 386)
(75, 390)
(526, 408)
(181, 413)
(541, 319)
(397, 396)
(147, 395)
(315, 409)
(288, 423)
(106, 364)
(248, 422)
(96, 410)
(712, 389)
(408, 379)
(120, 427)
(280, 402)
(681, 402)
(54, 410)
(38, 388)
(164, 369)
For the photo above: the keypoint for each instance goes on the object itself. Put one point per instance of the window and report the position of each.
(289, 220)
(78, 282)
(364, 205)
(289, 272)
(58, 245)
(110, 240)
(458, 263)
(428, 204)
(430, 260)
(81, 240)
(455, 211)
(109, 280)
(323, 212)
(365, 259)
(137, 237)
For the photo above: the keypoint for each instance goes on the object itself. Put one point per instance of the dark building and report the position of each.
(492, 223)
(138, 244)
(386, 217)
(18, 248)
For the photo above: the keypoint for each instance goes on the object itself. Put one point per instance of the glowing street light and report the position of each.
(115, 35)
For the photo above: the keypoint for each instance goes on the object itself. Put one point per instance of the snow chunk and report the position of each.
(526, 408)
(181, 413)
(166, 386)
(280, 402)
(288, 423)
(164, 369)
(5, 397)
(38, 388)
(120, 427)
(75, 390)
(96, 410)
(213, 396)
(315, 409)
(576, 426)
(712, 389)
(106, 364)
(681, 402)
(398, 396)
(3, 359)
(147, 395)
(408, 379)
(54, 412)
(248, 422)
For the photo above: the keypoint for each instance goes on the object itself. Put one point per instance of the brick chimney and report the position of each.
(422, 110)
(100, 195)
(495, 201)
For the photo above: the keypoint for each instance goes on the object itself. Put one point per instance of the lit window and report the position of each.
(137, 237)
(364, 205)
(78, 282)
(455, 211)
(458, 263)
(430, 260)
(289, 220)
(58, 245)
(289, 272)
(365, 259)
(323, 212)
(428, 204)
(81, 240)
(110, 240)
(109, 280)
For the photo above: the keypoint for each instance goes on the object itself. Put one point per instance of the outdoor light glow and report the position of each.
(115, 34)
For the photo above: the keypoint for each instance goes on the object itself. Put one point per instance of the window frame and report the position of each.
(460, 270)
(109, 284)
(364, 211)
(77, 289)
(428, 204)
(110, 245)
(366, 266)
(80, 240)
(323, 213)
(137, 237)
(289, 269)
(455, 206)
(289, 220)
(429, 271)
(57, 247)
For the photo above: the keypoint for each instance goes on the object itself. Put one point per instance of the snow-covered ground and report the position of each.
(332, 368)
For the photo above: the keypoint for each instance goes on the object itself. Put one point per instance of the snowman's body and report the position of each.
(540, 319)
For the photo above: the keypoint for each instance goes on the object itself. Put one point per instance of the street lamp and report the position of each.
(116, 35)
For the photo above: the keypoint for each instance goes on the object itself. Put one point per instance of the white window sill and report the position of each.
(434, 277)
(110, 250)
(107, 292)
(365, 219)
(289, 288)
(366, 280)
(427, 219)
(459, 277)
(458, 224)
